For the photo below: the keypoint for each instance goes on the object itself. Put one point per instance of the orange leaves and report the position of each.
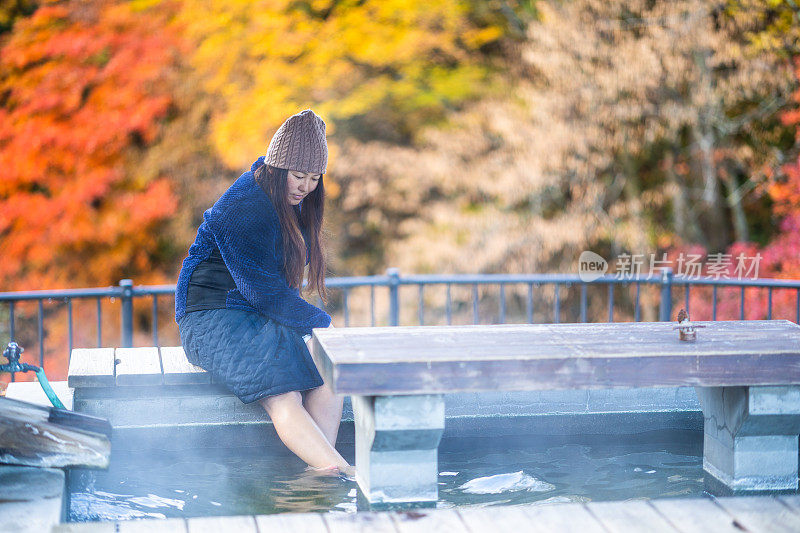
(782, 253)
(792, 116)
(786, 193)
(86, 86)
(155, 203)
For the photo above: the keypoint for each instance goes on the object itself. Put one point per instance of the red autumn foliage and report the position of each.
(84, 86)
(783, 253)
(780, 258)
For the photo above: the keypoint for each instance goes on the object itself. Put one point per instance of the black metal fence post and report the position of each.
(127, 312)
(394, 299)
(665, 305)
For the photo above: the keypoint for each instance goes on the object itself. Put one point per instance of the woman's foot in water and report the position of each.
(330, 470)
(348, 472)
(333, 470)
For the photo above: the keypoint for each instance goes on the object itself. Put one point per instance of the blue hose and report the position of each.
(48, 390)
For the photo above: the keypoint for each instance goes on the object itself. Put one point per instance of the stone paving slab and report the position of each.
(31, 392)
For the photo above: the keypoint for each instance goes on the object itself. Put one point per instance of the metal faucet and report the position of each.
(12, 353)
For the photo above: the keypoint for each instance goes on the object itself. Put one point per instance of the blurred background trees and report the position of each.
(85, 86)
(465, 135)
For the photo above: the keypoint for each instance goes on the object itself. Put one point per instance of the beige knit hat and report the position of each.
(299, 144)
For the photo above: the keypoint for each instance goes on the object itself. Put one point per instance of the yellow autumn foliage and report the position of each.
(374, 67)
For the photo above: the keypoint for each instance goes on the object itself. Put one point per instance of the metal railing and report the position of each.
(665, 281)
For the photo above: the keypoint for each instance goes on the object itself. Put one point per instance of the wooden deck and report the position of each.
(428, 360)
(734, 515)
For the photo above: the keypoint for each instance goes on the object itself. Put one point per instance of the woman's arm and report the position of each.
(247, 238)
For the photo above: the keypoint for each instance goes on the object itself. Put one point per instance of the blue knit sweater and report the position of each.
(244, 226)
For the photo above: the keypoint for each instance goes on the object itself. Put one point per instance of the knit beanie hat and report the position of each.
(299, 144)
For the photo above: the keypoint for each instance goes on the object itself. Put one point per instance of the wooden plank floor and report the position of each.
(756, 514)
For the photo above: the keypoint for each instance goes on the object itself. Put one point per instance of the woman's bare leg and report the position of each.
(300, 433)
(325, 408)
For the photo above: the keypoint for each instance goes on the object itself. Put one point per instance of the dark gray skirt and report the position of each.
(251, 354)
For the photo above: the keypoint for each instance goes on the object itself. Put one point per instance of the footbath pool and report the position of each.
(482, 461)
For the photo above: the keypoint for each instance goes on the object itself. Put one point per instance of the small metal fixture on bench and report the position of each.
(686, 329)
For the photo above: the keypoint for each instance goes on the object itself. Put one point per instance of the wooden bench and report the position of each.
(146, 392)
(746, 373)
(107, 367)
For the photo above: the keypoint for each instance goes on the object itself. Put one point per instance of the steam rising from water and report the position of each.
(153, 483)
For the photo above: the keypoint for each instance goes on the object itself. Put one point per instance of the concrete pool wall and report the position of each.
(211, 408)
(211, 414)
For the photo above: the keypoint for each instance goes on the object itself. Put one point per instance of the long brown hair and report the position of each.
(295, 223)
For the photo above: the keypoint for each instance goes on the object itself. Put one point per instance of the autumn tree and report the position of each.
(374, 69)
(11, 10)
(783, 251)
(627, 126)
(84, 88)
(771, 29)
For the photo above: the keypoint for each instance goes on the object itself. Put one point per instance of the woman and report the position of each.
(238, 304)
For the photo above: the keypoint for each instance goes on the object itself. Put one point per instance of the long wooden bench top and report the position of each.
(437, 359)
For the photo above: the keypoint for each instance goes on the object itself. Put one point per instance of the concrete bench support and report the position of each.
(397, 438)
(751, 437)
